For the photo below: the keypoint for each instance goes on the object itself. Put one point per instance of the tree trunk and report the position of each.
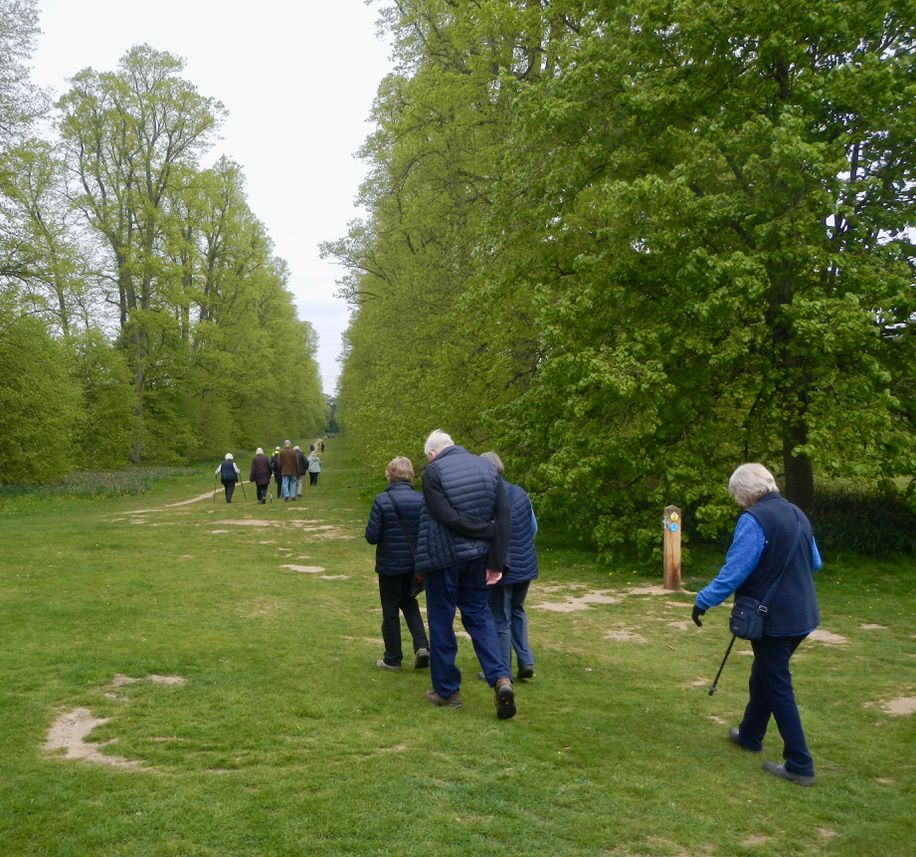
(799, 487)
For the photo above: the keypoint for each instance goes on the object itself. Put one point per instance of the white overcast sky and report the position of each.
(297, 77)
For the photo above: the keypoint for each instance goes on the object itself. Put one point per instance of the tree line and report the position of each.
(144, 315)
(629, 245)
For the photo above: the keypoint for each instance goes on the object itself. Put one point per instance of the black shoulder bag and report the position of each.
(748, 614)
(417, 587)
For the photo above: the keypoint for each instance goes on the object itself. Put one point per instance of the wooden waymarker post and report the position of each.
(672, 546)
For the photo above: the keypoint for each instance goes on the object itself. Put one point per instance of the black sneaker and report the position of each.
(505, 699)
(421, 659)
(525, 672)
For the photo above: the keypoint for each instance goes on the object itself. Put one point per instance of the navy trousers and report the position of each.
(771, 693)
(463, 586)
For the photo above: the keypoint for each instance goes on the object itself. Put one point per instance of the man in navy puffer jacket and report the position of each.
(461, 549)
(392, 528)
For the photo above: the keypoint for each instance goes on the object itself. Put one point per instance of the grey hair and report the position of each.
(493, 459)
(259, 451)
(750, 482)
(437, 440)
(399, 469)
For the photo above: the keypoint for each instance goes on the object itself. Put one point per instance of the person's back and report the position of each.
(464, 534)
(392, 528)
(394, 522)
(260, 469)
(288, 464)
(468, 485)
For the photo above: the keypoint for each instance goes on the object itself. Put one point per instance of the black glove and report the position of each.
(695, 615)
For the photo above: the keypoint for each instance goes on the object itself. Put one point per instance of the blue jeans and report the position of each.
(770, 687)
(507, 604)
(289, 487)
(463, 586)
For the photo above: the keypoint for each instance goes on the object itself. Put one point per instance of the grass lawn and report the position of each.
(257, 724)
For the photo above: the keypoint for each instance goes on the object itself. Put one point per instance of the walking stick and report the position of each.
(714, 686)
(215, 487)
(243, 490)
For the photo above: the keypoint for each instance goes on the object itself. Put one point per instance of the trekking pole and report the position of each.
(714, 686)
(243, 490)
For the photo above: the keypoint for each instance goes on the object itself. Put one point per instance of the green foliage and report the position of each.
(872, 523)
(109, 402)
(632, 246)
(96, 484)
(39, 405)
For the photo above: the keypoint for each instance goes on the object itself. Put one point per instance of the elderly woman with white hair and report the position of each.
(260, 473)
(772, 555)
(228, 474)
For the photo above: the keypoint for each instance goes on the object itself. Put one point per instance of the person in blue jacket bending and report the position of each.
(507, 598)
(772, 540)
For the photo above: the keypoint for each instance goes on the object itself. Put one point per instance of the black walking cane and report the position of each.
(713, 687)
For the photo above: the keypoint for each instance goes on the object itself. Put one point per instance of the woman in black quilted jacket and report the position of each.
(393, 523)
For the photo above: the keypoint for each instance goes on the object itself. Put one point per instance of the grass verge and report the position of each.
(284, 739)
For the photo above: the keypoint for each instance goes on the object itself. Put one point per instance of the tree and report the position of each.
(40, 403)
(681, 228)
(126, 136)
(680, 175)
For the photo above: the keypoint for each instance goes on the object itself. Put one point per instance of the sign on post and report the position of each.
(672, 547)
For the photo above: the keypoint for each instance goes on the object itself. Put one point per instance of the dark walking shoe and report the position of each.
(453, 701)
(380, 663)
(525, 672)
(781, 772)
(735, 737)
(505, 698)
(421, 659)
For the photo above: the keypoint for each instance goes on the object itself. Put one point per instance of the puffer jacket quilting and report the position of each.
(392, 553)
(522, 561)
(471, 485)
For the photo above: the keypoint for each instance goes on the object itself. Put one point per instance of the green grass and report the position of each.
(285, 739)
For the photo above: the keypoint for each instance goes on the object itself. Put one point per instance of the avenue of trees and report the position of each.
(631, 244)
(143, 313)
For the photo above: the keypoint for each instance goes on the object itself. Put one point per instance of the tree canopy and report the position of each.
(631, 245)
(143, 277)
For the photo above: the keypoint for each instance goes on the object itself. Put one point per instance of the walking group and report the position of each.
(288, 466)
(469, 538)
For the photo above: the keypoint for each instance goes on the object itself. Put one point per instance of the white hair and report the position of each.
(259, 451)
(750, 482)
(493, 459)
(436, 441)
(228, 456)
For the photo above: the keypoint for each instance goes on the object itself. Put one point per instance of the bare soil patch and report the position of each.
(900, 707)
(578, 602)
(822, 635)
(304, 569)
(625, 636)
(68, 733)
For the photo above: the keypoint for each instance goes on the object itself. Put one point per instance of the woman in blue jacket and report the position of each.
(507, 597)
(772, 544)
(393, 524)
